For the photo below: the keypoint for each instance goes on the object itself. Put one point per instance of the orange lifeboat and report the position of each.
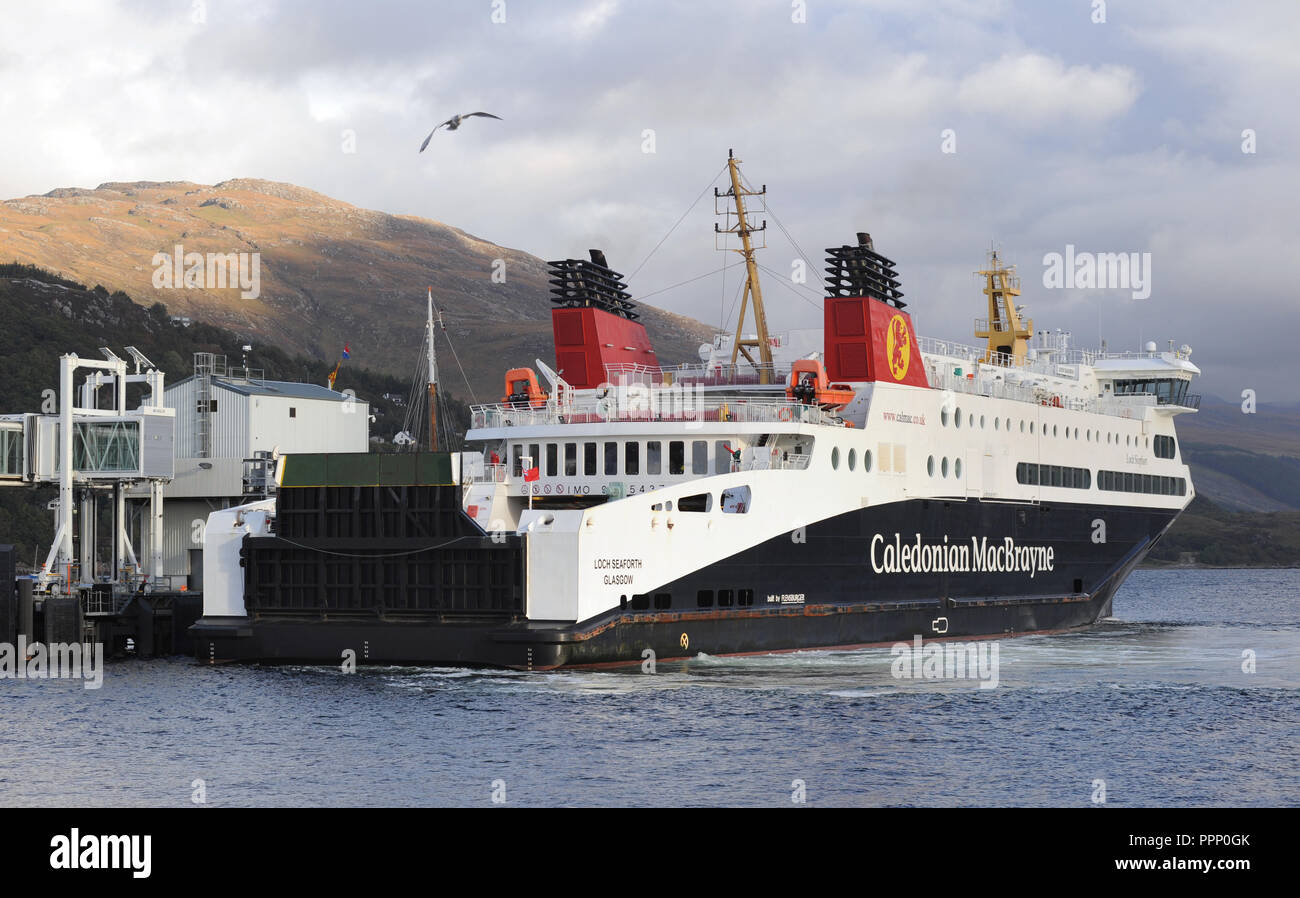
(809, 384)
(523, 390)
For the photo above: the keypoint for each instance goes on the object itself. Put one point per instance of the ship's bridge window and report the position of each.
(631, 459)
(1165, 446)
(552, 459)
(570, 459)
(654, 457)
(1167, 390)
(589, 459)
(611, 458)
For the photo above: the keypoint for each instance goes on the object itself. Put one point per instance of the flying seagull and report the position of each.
(453, 123)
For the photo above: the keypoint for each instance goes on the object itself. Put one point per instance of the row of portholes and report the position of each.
(852, 459)
(1005, 423)
(943, 466)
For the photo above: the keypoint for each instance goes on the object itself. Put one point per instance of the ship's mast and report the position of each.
(433, 378)
(1007, 336)
(737, 193)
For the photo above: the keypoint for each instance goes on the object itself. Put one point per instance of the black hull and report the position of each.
(841, 599)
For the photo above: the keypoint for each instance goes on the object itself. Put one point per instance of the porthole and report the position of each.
(997, 423)
(956, 418)
(853, 459)
(1089, 435)
(1022, 426)
(929, 465)
(944, 466)
(835, 458)
(866, 460)
(1053, 430)
(1031, 426)
(956, 468)
(981, 422)
(943, 417)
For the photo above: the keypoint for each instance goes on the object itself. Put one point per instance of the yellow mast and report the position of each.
(1007, 336)
(752, 290)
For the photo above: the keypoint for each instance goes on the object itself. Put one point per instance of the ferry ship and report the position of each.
(819, 489)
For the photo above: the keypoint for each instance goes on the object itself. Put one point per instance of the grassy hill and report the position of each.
(1207, 534)
(329, 272)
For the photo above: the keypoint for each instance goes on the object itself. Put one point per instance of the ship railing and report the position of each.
(671, 408)
(984, 385)
(491, 473)
(1047, 361)
(697, 375)
(761, 459)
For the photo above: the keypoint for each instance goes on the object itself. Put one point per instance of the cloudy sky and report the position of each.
(1122, 135)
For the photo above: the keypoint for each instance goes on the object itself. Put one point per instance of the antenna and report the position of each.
(433, 376)
(737, 195)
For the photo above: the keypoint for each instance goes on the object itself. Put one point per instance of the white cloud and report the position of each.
(1037, 90)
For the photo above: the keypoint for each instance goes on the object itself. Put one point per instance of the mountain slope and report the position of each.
(329, 273)
(1244, 462)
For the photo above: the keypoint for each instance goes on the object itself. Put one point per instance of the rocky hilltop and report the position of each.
(329, 272)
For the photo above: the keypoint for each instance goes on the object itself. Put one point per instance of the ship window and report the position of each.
(721, 457)
(663, 600)
(654, 457)
(611, 458)
(1031, 426)
(699, 457)
(698, 502)
(704, 598)
(517, 460)
(640, 603)
(956, 418)
(745, 597)
(943, 466)
(535, 453)
(736, 500)
(981, 422)
(570, 459)
(997, 423)
(835, 458)
(1053, 430)
(725, 598)
(677, 457)
(631, 459)
(293, 412)
(929, 465)
(1165, 447)
(853, 459)
(866, 460)
(1022, 426)
(956, 468)
(589, 459)
(552, 458)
